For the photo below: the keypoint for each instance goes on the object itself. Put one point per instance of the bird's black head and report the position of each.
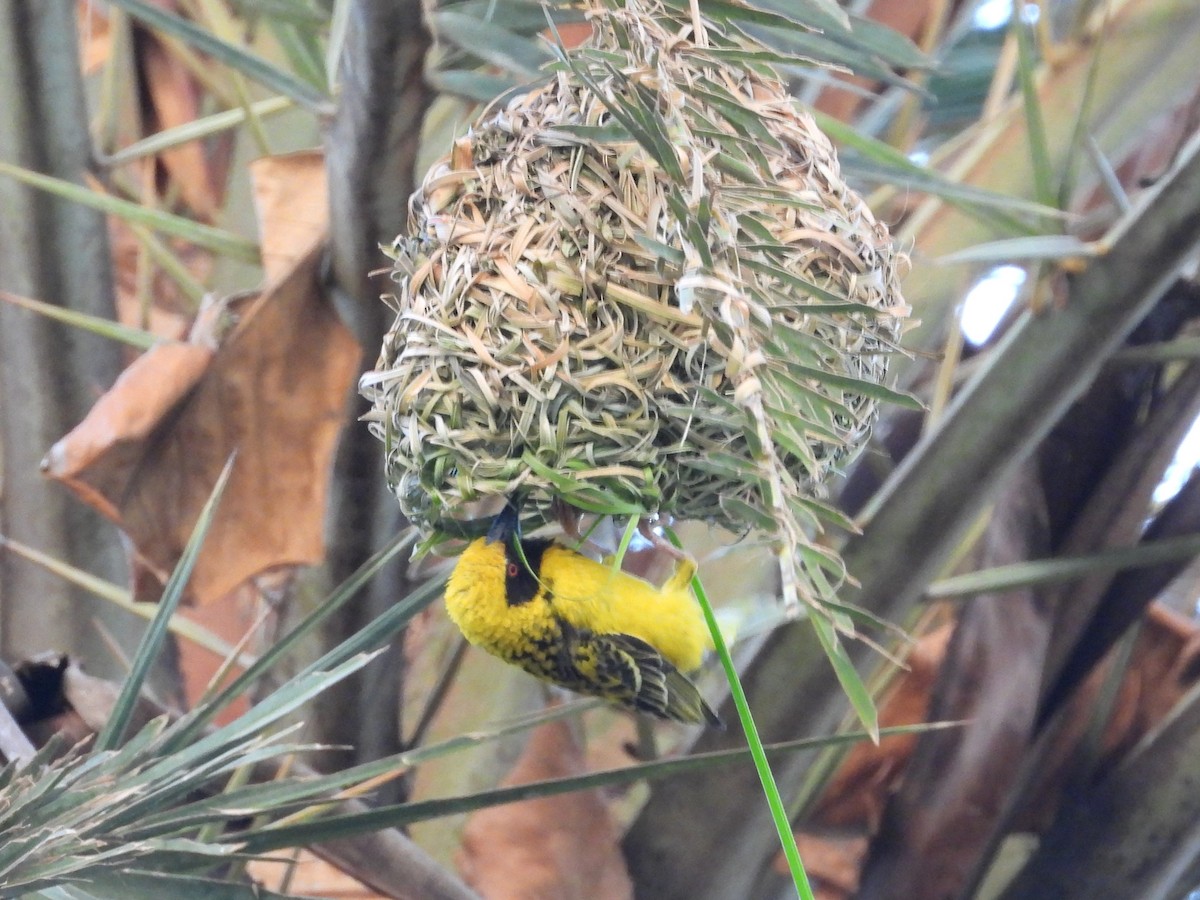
(523, 575)
(522, 559)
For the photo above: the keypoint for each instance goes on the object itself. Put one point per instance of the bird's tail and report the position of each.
(685, 703)
(681, 578)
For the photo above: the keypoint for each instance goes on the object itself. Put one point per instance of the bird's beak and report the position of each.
(504, 525)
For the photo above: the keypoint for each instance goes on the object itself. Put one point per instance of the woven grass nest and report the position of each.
(640, 286)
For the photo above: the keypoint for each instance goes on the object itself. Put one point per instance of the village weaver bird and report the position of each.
(577, 623)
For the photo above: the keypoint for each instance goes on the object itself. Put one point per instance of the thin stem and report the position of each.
(779, 816)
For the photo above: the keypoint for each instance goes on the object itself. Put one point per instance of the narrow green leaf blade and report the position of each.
(118, 721)
(134, 337)
(214, 239)
(491, 42)
(1036, 247)
(856, 691)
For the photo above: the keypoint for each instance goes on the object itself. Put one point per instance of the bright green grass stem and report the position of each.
(778, 814)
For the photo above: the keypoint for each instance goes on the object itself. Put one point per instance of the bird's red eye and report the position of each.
(512, 570)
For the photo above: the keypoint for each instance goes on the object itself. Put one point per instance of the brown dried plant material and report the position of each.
(832, 864)
(175, 99)
(292, 206)
(858, 790)
(302, 873)
(274, 390)
(155, 304)
(95, 35)
(550, 848)
(1162, 668)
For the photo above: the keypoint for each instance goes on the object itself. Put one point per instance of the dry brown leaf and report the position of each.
(175, 100)
(858, 790)
(292, 206)
(302, 873)
(149, 453)
(170, 312)
(95, 35)
(231, 618)
(832, 864)
(124, 419)
(1162, 668)
(550, 848)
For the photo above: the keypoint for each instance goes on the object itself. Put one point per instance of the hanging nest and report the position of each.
(641, 286)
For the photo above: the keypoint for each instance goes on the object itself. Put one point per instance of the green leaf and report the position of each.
(132, 884)
(896, 168)
(238, 58)
(339, 26)
(520, 16)
(627, 106)
(726, 13)
(1039, 247)
(856, 692)
(819, 15)
(148, 649)
(298, 12)
(588, 497)
(1067, 568)
(1035, 123)
(134, 337)
(197, 129)
(609, 133)
(864, 387)
(214, 239)
(491, 42)
(885, 43)
(400, 815)
(181, 626)
(750, 515)
(708, 93)
(805, 48)
(303, 48)
(277, 796)
(469, 84)
(1163, 351)
(670, 255)
(190, 726)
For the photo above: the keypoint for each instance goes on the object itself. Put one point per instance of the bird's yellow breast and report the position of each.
(577, 590)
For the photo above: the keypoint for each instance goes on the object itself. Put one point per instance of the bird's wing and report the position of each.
(627, 670)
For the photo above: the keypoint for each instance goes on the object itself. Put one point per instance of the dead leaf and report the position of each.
(175, 100)
(1162, 668)
(148, 454)
(95, 35)
(124, 419)
(832, 864)
(855, 796)
(168, 313)
(237, 619)
(563, 847)
(302, 873)
(292, 206)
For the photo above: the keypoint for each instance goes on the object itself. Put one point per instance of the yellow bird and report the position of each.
(570, 620)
